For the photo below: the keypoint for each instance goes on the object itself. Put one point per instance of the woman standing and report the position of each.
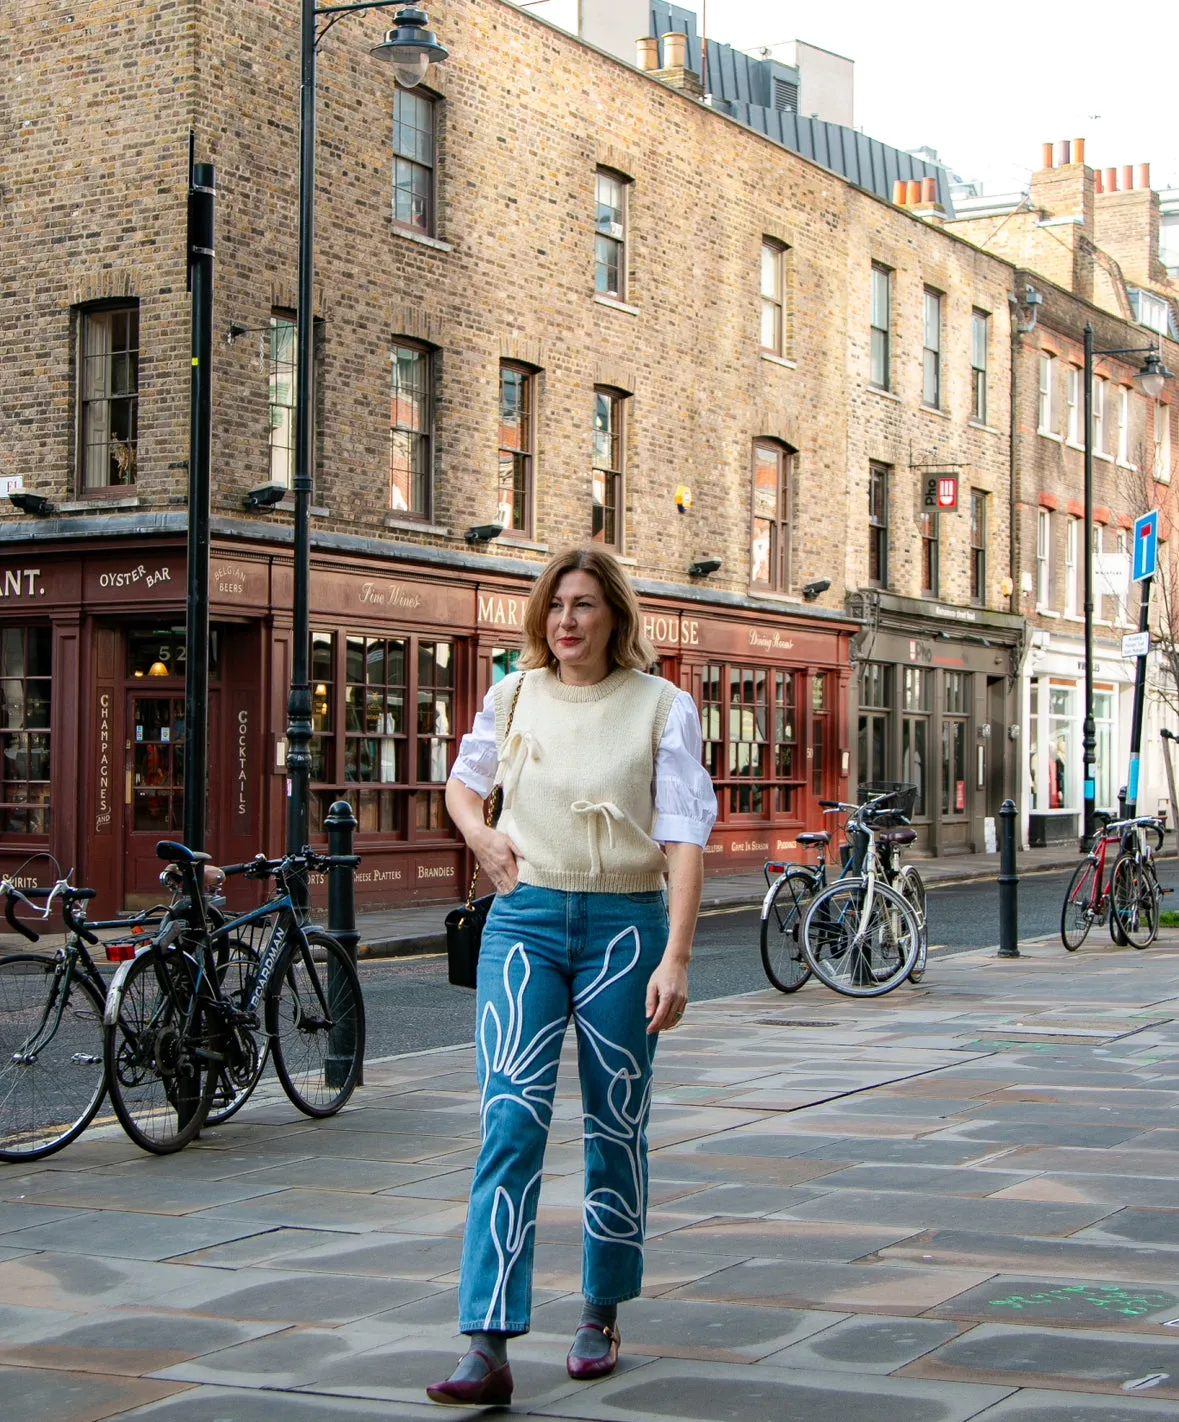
(601, 767)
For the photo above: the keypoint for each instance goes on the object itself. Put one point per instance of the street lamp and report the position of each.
(410, 46)
(1150, 380)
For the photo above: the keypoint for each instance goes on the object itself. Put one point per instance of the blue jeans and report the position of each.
(547, 954)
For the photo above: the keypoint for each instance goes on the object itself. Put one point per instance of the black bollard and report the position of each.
(340, 824)
(1008, 884)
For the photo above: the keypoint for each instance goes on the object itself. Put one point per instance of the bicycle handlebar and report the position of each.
(62, 890)
(262, 868)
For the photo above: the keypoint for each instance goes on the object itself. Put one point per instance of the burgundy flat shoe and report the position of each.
(586, 1369)
(493, 1389)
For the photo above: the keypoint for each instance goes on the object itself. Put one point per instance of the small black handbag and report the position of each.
(464, 925)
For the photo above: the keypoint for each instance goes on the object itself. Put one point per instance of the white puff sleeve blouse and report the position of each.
(685, 802)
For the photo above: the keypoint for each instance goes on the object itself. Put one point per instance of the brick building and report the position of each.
(1088, 247)
(554, 293)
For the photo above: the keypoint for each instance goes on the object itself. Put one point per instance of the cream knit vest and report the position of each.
(578, 772)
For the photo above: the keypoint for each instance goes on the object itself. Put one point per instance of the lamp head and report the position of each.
(36, 504)
(484, 532)
(410, 47)
(703, 567)
(1153, 376)
(815, 589)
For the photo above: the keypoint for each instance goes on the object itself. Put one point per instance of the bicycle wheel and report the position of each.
(248, 1046)
(1076, 917)
(157, 1058)
(781, 929)
(51, 1079)
(315, 1019)
(1134, 900)
(858, 954)
(911, 887)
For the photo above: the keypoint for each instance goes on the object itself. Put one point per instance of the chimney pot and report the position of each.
(1144, 175)
(1078, 150)
(900, 192)
(675, 50)
(1111, 180)
(1065, 153)
(1127, 177)
(914, 187)
(647, 53)
(1046, 156)
(1098, 184)
(929, 190)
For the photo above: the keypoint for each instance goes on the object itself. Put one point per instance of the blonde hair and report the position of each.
(629, 647)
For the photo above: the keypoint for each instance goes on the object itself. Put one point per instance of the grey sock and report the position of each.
(591, 1342)
(493, 1346)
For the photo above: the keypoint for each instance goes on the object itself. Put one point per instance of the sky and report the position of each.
(987, 85)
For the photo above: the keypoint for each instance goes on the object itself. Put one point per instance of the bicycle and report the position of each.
(859, 936)
(173, 1033)
(51, 1022)
(1135, 893)
(1087, 900)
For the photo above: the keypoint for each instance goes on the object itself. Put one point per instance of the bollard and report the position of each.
(1121, 803)
(340, 824)
(1008, 884)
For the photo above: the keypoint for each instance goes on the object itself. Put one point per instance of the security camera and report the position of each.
(484, 532)
(816, 589)
(265, 496)
(703, 567)
(32, 503)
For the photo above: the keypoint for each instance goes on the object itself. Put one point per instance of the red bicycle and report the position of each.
(1092, 898)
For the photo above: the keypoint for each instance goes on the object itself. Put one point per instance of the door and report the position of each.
(154, 785)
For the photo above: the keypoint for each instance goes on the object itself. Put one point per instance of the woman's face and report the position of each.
(578, 630)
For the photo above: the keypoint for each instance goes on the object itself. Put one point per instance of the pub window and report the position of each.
(712, 720)
(820, 719)
(875, 706)
(930, 554)
(396, 696)
(504, 661)
(283, 401)
(413, 160)
(978, 546)
(880, 374)
(748, 739)
(25, 702)
(610, 223)
(108, 397)
(878, 525)
(773, 467)
(749, 718)
(931, 356)
(410, 430)
(606, 477)
(786, 740)
(916, 701)
(954, 724)
(516, 437)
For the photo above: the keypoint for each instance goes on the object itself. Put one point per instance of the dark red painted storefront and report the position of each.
(402, 657)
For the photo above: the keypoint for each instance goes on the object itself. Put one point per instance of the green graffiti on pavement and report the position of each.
(1128, 1303)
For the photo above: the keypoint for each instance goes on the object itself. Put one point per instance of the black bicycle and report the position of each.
(186, 1034)
(51, 1028)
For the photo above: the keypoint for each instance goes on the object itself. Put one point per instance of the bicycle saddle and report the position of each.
(814, 837)
(896, 836)
(180, 853)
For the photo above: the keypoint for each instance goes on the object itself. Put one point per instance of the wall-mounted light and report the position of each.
(815, 589)
(703, 567)
(484, 532)
(683, 498)
(265, 496)
(36, 504)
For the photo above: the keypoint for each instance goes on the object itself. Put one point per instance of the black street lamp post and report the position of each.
(1151, 379)
(410, 47)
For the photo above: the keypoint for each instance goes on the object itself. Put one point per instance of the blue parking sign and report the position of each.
(1146, 546)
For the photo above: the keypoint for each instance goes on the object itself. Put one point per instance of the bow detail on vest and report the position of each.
(519, 749)
(596, 817)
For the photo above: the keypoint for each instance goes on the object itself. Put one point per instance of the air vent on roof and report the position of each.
(785, 96)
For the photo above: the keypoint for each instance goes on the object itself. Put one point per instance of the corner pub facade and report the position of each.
(403, 651)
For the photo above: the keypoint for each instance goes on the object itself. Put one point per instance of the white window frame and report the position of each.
(1076, 413)
(1123, 602)
(880, 337)
(1162, 443)
(1099, 384)
(1071, 543)
(1124, 427)
(1043, 559)
(1046, 423)
(933, 321)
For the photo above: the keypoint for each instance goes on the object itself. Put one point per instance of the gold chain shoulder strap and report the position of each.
(496, 799)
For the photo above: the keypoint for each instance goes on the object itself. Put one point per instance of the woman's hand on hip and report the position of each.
(667, 995)
(497, 857)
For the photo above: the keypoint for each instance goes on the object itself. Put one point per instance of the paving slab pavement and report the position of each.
(955, 1202)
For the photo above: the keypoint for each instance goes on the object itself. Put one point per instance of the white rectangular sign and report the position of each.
(11, 484)
(1135, 644)
(1112, 571)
